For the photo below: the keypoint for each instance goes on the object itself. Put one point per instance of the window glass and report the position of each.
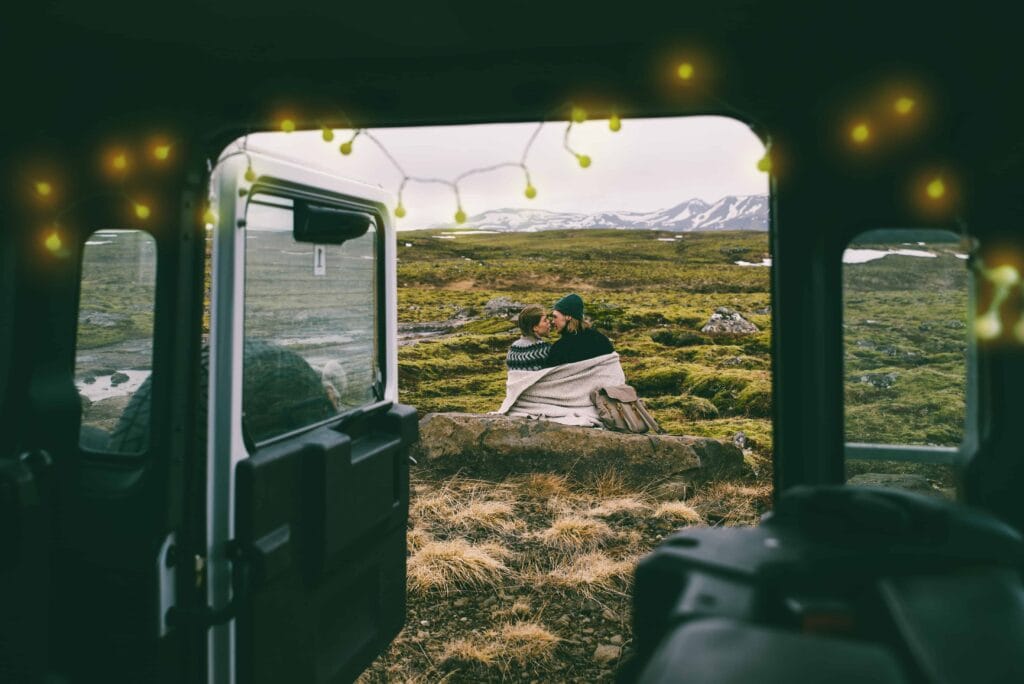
(114, 349)
(310, 324)
(905, 337)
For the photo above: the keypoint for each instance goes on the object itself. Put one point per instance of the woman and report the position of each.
(530, 352)
(578, 341)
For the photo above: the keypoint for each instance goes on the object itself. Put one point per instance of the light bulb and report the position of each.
(161, 152)
(43, 189)
(584, 160)
(685, 71)
(1003, 276)
(210, 216)
(287, 125)
(142, 211)
(579, 115)
(614, 123)
(53, 242)
(903, 105)
(764, 164)
(327, 134)
(988, 326)
(250, 175)
(400, 211)
(860, 133)
(460, 216)
(346, 147)
(530, 192)
(936, 189)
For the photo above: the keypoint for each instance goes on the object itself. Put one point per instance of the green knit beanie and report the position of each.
(570, 305)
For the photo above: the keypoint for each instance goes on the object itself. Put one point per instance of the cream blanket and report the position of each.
(561, 393)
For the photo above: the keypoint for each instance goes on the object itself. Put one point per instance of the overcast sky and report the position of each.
(649, 164)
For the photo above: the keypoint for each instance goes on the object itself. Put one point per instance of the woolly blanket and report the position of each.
(561, 393)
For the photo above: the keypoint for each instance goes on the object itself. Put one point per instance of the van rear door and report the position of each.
(307, 449)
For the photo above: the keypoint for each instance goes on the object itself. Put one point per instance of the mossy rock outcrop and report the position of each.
(490, 445)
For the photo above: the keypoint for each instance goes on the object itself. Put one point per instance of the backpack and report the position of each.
(621, 410)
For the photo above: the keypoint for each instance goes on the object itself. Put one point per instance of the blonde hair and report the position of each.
(529, 318)
(574, 325)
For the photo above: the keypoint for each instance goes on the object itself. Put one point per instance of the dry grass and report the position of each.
(591, 573)
(445, 565)
(678, 511)
(622, 504)
(439, 505)
(730, 503)
(611, 484)
(574, 533)
(519, 608)
(496, 516)
(524, 643)
(468, 652)
(417, 537)
(544, 486)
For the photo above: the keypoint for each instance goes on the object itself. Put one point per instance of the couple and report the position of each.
(554, 381)
(578, 339)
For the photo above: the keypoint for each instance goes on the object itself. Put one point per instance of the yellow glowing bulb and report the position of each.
(903, 105)
(142, 211)
(43, 189)
(530, 192)
(400, 211)
(1004, 276)
(161, 152)
(53, 242)
(328, 134)
(579, 115)
(210, 216)
(988, 326)
(119, 162)
(287, 125)
(460, 216)
(685, 71)
(584, 160)
(936, 189)
(764, 164)
(860, 133)
(614, 123)
(250, 175)
(346, 147)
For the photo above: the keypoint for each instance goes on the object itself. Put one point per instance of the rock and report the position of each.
(461, 602)
(617, 640)
(728, 322)
(489, 445)
(764, 310)
(88, 378)
(740, 440)
(607, 653)
(118, 378)
(879, 380)
(503, 306)
(610, 615)
(906, 481)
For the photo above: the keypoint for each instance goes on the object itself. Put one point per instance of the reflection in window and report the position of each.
(114, 348)
(310, 324)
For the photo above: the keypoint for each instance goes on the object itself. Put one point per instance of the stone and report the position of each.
(617, 640)
(503, 306)
(488, 445)
(118, 378)
(725, 321)
(610, 615)
(879, 380)
(607, 653)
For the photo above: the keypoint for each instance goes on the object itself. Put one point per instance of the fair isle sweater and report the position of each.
(527, 353)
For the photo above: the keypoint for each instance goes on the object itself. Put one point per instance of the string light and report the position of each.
(936, 189)
(614, 123)
(530, 191)
(142, 211)
(119, 161)
(903, 105)
(288, 125)
(400, 211)
(161, 152)
(685, 71)
(53, 242)
(327, 134)
(764, 164)
(44, 189)
(250, 174)
(210, 216)
(988, 325)
(579, 115)
(860, 133)
(460, 216)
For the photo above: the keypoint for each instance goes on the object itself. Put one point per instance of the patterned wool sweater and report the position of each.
(527, 353)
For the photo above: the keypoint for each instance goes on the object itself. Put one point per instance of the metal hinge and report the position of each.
(205, 616)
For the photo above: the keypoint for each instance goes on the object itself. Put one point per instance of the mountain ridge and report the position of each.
(732, 212)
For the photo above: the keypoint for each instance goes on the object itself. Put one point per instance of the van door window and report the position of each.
(311, 322)
(114, 346)
(905, 330)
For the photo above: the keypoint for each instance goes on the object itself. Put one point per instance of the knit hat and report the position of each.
(570, 305)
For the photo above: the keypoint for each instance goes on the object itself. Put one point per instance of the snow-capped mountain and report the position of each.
(747, 212)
